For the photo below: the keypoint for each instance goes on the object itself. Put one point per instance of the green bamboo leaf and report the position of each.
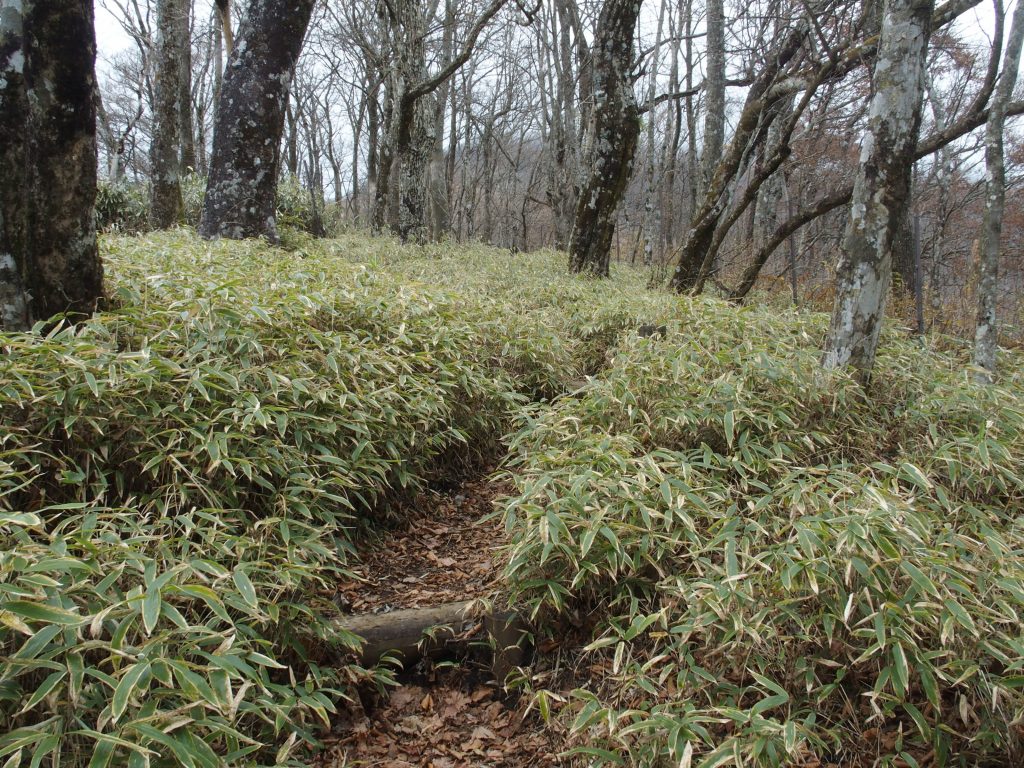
(151, 609)
(42, 612)
(125, 687)
(44, 689)
(245, 587)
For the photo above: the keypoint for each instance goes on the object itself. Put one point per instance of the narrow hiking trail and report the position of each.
(444, 714)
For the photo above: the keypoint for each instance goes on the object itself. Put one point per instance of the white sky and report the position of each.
(111, 39)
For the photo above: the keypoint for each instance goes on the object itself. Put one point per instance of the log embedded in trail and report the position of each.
(436, 632)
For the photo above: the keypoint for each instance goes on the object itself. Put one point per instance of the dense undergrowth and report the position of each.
(770, 566)
(181, 479)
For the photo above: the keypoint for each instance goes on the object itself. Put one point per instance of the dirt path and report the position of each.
(448, 715)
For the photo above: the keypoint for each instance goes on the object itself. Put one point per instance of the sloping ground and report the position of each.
(732, 557)
(443, 722)
(444, 552)
(441, 714)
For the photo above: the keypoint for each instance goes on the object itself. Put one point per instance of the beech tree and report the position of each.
(881, 191)
(168, 134)
(986, 332)
(410, 116)
(472, 120)
(611, 138)
(49, 261)
(241, 192)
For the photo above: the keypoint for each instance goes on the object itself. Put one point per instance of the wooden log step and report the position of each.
(437, 632)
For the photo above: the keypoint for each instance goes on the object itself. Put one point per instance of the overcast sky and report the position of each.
(111, 39)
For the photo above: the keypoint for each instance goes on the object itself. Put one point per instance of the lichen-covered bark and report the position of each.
(64, 273)
(882, 186)
(612, 135)
(13, 116)
(714, 92)
(165, 152)
(242, 187)
(986, 331)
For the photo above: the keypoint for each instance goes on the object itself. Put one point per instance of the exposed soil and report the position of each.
(449, 715)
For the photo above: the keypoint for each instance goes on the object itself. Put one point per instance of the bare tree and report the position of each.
(986, 331)
(242, 187)
(881, 192)
(166, 205)
(714, 92)
(612, 135)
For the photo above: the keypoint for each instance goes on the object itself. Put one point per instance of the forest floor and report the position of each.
(443, 714)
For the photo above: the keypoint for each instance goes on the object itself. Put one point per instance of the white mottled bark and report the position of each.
(612, 135)
(986, 331)
(882, 187)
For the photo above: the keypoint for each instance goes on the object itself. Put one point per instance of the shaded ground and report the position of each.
(445, 554)
(445, 720)
(449, 715)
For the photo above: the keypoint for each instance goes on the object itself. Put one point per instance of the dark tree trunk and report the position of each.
(612, 135)
(188, 138)
(64, 270)
(166, 206)
(242, 188)
(13, 119)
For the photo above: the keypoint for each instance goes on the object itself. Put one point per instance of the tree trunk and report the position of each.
(13, 120)
(227, 35)
(242, 188)
(986, 330)
(188, 139)
(166, 206)
(612, 135)
(64, 274)
(652, 207)
(759, 111)
(882, 188)
(714, 93)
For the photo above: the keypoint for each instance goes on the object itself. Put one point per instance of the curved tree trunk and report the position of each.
(882, 188)
(166, 206)
(64, 274)
(242, 189)
(612, 135)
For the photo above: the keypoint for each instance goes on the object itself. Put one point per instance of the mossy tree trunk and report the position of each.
(13, 119)
(60, 257)
(882, 188)
(166, 207)
(612, 135)
(241, 191)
